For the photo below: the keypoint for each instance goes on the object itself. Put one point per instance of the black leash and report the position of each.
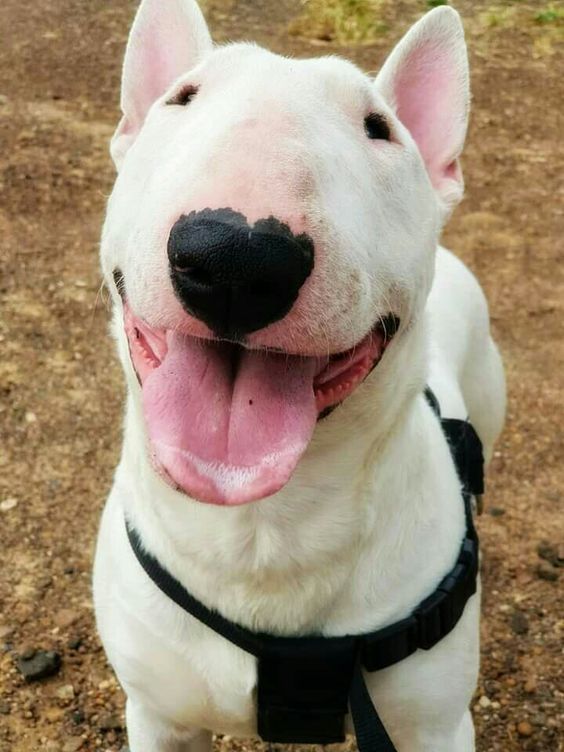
(306, 684)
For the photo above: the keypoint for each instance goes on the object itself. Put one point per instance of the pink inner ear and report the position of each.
(158, 71)
(430, 103)
(167, 39)
(161, 60)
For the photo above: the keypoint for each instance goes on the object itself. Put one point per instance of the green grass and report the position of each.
(553, 14)
(341, 21)
(498, 16)
(504, 13)
(543, 25)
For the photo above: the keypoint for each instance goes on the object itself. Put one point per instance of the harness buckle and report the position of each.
(303, 689)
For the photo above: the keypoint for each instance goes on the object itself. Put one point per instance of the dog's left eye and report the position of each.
(184, 95)
(376, 127)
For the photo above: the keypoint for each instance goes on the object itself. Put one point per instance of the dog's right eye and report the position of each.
(376, 127)
(183, 96)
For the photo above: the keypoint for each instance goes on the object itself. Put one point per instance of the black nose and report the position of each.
(236, 277)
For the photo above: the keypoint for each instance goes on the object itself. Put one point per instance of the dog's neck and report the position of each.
(356, 480)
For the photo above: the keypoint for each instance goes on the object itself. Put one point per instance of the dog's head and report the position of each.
(272, 227)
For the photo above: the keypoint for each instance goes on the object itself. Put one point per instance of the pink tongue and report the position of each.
(229, 432)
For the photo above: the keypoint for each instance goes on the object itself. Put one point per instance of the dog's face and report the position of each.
(272, 227)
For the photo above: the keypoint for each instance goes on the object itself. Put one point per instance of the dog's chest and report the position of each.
(198, 679)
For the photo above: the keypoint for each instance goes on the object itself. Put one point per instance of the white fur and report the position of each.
(372, 518)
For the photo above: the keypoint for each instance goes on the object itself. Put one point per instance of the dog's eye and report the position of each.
(376, 127)
(184, 95)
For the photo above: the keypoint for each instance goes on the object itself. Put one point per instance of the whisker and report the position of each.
(103, 296)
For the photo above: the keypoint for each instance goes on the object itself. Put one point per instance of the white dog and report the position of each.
(271, 244)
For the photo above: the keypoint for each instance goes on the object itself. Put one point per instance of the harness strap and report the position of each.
(465, 446)
(370, 732)
(305, 684)
(248, 641)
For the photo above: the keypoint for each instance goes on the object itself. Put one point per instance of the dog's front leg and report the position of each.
(149, 733)
(461, 739)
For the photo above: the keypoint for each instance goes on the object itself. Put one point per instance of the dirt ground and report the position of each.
(61, 389)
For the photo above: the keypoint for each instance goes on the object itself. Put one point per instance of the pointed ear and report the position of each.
(426, 82)
(168, 38)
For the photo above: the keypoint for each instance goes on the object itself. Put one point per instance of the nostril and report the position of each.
(195, 274)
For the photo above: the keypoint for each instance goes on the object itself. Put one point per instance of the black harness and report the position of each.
(306, 684)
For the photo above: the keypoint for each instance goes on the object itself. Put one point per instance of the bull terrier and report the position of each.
(280, 304)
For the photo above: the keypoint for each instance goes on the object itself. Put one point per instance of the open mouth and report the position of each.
(227, 424)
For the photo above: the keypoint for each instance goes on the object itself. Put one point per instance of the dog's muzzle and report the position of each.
(233, 276)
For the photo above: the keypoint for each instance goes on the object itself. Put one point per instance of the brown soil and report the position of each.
(61, 390)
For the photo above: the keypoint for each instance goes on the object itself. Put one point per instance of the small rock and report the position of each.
(73, 744)
(53, 714)
(519, 622)
(44, 582)
(27, 653)
(22, 612)
(6, 631)
(496, 511)
(524, 728)
(548, 552)
(545, 572)
(53, 485)
(530, 685)
(43, 663)
(66, 692)
(8, 504)
(109, 723)
(484, 702)
(65, 618)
